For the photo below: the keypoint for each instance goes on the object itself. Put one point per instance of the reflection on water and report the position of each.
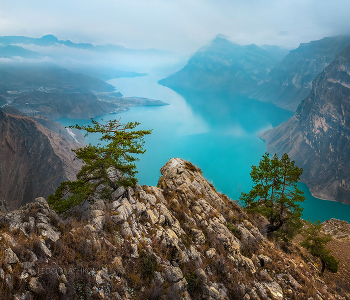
(218, 133)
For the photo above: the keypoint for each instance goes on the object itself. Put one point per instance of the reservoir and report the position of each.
(217, 133)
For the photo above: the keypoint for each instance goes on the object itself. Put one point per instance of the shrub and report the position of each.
(235, 231)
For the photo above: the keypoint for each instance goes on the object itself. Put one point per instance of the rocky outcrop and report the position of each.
(33, 160)
(166, 242)
(318, 136)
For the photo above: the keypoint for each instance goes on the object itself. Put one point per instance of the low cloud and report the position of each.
(181, 25)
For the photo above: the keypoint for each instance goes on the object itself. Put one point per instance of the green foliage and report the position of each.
(122, 143)
(149, 265)
(275, 195)
(315, 243)
(193, 282)
(236, 232)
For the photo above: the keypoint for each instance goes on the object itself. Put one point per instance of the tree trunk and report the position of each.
(272, 228)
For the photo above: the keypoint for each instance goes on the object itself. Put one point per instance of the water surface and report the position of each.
(218, 133)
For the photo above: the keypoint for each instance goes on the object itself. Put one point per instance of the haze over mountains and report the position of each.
(252, 71)
(102, 61)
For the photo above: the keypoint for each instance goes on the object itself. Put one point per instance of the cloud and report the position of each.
(180, 25)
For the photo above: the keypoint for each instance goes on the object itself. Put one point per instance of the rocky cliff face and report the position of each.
(290, 81)
(179, 240)
(33, 159)
(318, 136)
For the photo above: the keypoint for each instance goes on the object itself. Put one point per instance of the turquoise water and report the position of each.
(218, 133)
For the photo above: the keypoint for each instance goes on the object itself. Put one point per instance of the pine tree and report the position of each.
(117, 155)
(275, 194)
(315, 243)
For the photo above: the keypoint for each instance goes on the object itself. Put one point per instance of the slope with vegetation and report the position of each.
(179, 240)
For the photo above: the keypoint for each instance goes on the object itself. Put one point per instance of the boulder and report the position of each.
(35, 286)
(10, 257)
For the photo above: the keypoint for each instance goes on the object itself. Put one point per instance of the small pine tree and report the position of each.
(275, 195)
(315, 243)
(98, 161)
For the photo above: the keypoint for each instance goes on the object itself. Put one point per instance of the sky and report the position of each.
(182, 26)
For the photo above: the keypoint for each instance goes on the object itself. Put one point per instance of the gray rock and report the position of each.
(10, 257)
(2, 274)
(148, 198)
(24, 296)
(118, 193)
(275, 290)
(62, 288)
(8, 281)
(98, 223)
(44, 250)
(151, 216)
(198, 236)
(265, 261)
(41, 202)
(122, 212)
(158, 277)
(51, 234)
(180, 286)
(201, 274)
(98, 205)
(102, 276)
(210, 253)
(173, 274)
(117, 265)
(134, 251)
(35, 286)
(9, 239)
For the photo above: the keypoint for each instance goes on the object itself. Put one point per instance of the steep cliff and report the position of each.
(179, 240)
(317, 137)
(33, 159)
(290, 81)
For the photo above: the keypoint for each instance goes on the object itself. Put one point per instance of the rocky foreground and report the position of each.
(179, 240)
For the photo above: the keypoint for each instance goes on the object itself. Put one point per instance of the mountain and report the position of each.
(223, 66)
(256, 72)
(51, 40)
(12, 51)
(105, 73)
(18, 76)
(181, 240)
(317, 137)
(33, 159)
(56, 105)
(46, 40)
(290, 81)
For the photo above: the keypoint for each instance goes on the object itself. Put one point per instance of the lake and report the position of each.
(217, 133)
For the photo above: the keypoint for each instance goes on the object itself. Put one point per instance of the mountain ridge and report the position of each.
(318, 135)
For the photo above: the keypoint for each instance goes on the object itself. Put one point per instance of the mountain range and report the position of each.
(252, 71)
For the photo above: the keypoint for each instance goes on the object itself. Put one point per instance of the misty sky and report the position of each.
(178, 25)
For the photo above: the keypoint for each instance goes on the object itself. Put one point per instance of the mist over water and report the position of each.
(216, 132)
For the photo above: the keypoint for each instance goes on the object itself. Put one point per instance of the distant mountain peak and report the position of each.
(50, 37)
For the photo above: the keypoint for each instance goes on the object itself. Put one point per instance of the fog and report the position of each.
(181, 26)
